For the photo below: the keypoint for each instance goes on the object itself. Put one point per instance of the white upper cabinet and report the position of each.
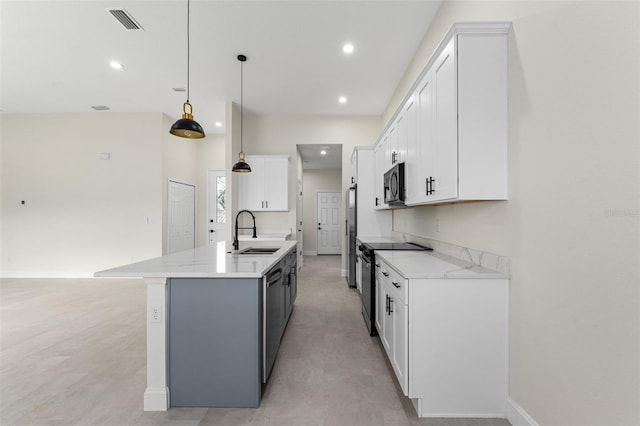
(370, 221)
(420, 160)
(451, 130)
(266, 188)
(380, 167)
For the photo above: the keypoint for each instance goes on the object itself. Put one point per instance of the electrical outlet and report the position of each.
(156, 314)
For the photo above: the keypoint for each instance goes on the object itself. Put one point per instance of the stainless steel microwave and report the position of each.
(394, 189)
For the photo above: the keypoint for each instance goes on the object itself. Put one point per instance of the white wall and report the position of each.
(81, 214)
(571, 224)
(211, 156)
(271, 135)
(179, 157)
(314, 181)
(187, 161)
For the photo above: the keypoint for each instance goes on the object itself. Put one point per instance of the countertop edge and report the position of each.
(153, 268)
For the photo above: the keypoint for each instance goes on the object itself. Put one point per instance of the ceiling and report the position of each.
(313, 158)
(55, 56)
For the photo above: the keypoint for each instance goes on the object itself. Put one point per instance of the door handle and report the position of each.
(212, 231)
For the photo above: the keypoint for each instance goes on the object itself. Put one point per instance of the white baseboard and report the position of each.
(517, 416)
(310, 253)
(156, 399)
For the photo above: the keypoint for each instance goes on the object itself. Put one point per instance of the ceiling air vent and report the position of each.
(125, 19)
(100, 107)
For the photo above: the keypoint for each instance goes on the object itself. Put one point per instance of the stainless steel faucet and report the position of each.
(236, 243)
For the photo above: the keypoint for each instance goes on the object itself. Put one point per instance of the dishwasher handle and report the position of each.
(274, 277)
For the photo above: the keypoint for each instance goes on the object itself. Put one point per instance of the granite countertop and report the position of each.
(427, 264)
(206, 262)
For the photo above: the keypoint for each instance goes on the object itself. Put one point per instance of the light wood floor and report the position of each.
(72, 352)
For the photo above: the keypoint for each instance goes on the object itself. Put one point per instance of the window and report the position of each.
(221, 189)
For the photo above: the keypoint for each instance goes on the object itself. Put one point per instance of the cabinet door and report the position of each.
(406, 129)
(394, 139)
(378, 180)
(414, 164)
(445, 185)
(380, 300)
(251, 185)
(387, 320)
(423, 151)
(276, 184)
(400, 345)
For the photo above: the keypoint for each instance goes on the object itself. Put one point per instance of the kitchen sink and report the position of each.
(259, 250)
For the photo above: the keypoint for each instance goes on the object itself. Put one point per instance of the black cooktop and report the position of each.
(395, 246)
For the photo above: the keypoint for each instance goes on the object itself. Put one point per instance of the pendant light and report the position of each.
(187, 127)
(241, 166)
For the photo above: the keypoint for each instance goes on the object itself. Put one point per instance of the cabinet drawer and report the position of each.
(398, 284)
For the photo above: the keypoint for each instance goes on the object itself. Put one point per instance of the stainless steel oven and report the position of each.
(367, 257)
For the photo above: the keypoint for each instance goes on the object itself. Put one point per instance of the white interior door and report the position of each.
(328, 204)
(216, 205)
(181, 218)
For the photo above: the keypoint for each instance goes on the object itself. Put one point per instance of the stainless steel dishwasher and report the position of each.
(274, 315)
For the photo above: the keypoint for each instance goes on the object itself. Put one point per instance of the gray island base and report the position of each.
(215, 345)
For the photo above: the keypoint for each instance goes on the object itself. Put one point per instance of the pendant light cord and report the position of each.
(188, 47)
(241, 103)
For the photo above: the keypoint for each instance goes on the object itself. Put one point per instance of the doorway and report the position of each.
(328, 214)
(320, 170)
(216, 206)
(181, 216)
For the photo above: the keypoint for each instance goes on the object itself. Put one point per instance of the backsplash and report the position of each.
(477, 257)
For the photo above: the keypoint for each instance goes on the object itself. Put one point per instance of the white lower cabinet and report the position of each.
(380, 299)
(394, 321)
(446, 340)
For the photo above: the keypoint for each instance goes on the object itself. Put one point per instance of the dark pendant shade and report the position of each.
(241, 166)
(187, 127)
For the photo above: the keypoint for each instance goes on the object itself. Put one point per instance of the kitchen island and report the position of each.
(214, 322)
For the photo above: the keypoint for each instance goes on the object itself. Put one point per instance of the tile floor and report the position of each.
(72, 352)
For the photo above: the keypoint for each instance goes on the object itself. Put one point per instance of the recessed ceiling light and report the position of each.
(218, 124)
(342, 99)
(348, 48)
(116, 65)
(323, 152)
